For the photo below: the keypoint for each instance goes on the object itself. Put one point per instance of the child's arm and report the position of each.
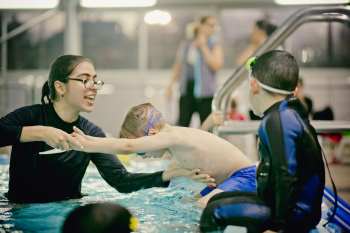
(214, 119)
(120, 145)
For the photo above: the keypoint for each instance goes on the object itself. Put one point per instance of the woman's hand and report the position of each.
(80, 141)
(196, 175)
(174, 170)
(53, 137)
(57, 138)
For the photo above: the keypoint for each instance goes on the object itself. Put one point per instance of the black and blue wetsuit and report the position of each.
(290, 178)
(43, 178)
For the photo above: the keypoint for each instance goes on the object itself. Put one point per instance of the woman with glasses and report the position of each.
(71, 88)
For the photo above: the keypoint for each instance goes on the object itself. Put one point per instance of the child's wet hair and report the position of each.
(277, 69)
(136, 120)
(99, 218)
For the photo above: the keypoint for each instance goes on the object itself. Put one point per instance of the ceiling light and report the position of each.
(311, 2)
(157, 17)
(28, 4)
(116, 3)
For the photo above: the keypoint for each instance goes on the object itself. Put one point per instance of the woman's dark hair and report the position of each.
(60, 69)
(277, 69)
(266, 26)
(98, 218)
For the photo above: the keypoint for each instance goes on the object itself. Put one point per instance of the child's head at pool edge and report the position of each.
(141, 120)
(100, 218)
(273, 75)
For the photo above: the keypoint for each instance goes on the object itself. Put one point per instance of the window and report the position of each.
(36, 47)
(327, 47)
(163, 41)
(110, 38)
(237, 26)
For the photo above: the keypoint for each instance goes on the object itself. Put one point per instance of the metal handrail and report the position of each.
(330, 13)
(251, 127)
(29, 24)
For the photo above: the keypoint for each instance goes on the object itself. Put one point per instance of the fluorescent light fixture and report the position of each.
(157, 17)
(311, 2)
(28, 4)
(116, 3)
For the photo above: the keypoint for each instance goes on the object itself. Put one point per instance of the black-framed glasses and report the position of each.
(90, 83)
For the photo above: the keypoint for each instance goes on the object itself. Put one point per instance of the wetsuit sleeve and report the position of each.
(282, 134)
(115, 174)
(11, 125)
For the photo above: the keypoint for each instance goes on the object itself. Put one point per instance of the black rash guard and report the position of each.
(44, 178)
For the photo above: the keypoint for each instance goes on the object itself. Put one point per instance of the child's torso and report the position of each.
(209, 153)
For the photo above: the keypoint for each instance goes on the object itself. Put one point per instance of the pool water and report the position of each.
(157, 209)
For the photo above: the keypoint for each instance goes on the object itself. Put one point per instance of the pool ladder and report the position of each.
(337, 13)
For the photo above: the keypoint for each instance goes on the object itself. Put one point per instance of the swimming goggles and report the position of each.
(152, 120)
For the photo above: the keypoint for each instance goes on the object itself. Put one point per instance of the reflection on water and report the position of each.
(158, 209)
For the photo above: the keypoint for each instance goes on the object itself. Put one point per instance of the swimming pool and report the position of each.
(158, 209)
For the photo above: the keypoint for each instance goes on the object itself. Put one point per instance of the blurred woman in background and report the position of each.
(197, 62)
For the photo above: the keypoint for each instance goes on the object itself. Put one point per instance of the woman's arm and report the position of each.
(214, 58)
(19, 126)
(245, 54)
(55, 138)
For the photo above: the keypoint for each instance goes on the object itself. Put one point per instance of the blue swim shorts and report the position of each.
(243, 180)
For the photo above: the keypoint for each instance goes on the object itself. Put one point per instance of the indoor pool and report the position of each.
(158, 209)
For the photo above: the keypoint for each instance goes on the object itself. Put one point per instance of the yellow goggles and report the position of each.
(133, 224)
